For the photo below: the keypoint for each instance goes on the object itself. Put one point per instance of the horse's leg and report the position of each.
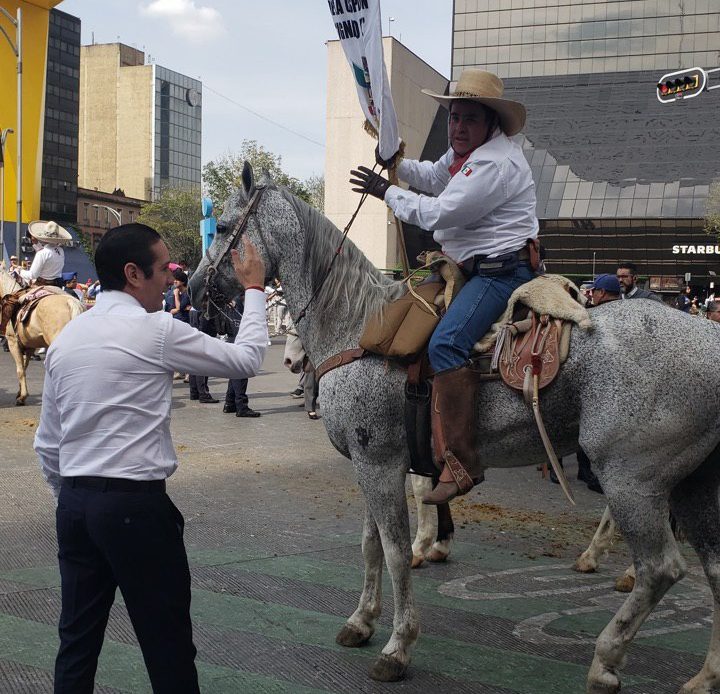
(446, 529)
(425, 520)
(360, 626)
(643, 521)
(694, 503)
(384, 490)
(587, 562)
(21, 362)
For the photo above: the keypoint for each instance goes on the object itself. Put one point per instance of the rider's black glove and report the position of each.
(385, 163)
(369, 182)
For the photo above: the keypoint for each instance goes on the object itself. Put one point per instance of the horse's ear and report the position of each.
(248, 178)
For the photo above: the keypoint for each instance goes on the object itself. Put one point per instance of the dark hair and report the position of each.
(128, 243)
(181, 277)
(629, 266)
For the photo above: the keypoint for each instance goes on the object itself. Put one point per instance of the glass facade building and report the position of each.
(177, 130)
(618, 175)
(58, 195)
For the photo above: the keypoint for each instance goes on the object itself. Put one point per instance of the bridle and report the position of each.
(216, 298)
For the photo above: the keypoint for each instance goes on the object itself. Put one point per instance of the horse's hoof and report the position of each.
(625, 584)
(417, 560)
(387, 669)
(435, 555)
(351, 637)
(584, 566)
(601, 680)
(19, 403)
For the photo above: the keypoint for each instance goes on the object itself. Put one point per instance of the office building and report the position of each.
(140, 123)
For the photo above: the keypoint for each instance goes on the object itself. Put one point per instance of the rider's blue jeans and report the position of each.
(471, 314)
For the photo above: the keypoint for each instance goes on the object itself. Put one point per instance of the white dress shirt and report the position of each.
(108, 386)
(487, 208)
(48, 263)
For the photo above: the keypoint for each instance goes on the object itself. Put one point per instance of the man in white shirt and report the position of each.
(481, 209)
(105, 449)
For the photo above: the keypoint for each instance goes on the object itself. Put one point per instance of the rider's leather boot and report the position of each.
(9, 305)
(454, 425)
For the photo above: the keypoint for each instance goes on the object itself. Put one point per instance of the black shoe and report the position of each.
(247, 412)
(207, 399)
(553, 476)
(229, 409)
(297, 393)
(593, 483)
(194, 397)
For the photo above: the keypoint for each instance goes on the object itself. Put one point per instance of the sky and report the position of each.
(267, 56)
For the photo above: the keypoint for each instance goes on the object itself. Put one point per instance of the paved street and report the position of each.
(273, 526)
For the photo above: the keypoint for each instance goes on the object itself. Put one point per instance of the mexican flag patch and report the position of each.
(466, 170)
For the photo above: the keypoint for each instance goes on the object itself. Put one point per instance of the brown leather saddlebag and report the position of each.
(406, 324)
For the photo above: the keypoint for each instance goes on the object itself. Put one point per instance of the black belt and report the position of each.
(114, 484)
(495, 261)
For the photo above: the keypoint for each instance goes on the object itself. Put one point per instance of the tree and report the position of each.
(712, 210)
(315, 186)
(223, 176)
(176, 216)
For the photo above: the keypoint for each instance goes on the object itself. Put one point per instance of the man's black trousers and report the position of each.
(119, 533)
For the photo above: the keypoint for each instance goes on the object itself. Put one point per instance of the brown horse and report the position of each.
(45, 323)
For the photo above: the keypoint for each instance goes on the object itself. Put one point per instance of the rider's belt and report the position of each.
(42, 282)
(497, 265)
(114, 484)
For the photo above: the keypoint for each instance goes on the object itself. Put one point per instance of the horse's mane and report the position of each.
(353, 281)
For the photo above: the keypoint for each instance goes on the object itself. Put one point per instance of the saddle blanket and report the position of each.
(30, 299)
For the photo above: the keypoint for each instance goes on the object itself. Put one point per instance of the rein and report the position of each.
(345, 233)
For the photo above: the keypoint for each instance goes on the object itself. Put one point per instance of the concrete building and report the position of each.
(140, 124)
(97, 212)
(348, 145)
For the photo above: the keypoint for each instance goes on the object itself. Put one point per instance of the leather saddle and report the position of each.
(31, 299)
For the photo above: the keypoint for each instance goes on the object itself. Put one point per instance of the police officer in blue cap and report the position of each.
(69, 283)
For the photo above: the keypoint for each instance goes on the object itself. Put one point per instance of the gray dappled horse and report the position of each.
(637, 394)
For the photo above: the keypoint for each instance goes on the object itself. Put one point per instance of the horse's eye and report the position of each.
(221, 228)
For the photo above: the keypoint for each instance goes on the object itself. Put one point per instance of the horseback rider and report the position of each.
(481, 208)
(47, 239)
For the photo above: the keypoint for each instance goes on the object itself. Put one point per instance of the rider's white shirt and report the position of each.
(48, 263)
(108, 386)
(487, 208)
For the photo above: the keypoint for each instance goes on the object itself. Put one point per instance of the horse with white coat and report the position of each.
(661, 454)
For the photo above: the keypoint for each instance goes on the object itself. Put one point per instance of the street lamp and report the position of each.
(390, 19)
(3, 137)
(17, 50)
(115, 213)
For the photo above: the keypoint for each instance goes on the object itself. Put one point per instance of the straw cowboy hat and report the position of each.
(49, 232)
(485, 88)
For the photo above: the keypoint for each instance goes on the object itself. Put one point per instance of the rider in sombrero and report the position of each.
(47, 239)
(481, 208)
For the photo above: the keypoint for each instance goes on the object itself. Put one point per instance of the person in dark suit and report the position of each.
(627, 276)
(236, 398)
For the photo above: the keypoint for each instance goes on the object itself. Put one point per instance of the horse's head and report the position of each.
(8, 283)
(214, 280)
